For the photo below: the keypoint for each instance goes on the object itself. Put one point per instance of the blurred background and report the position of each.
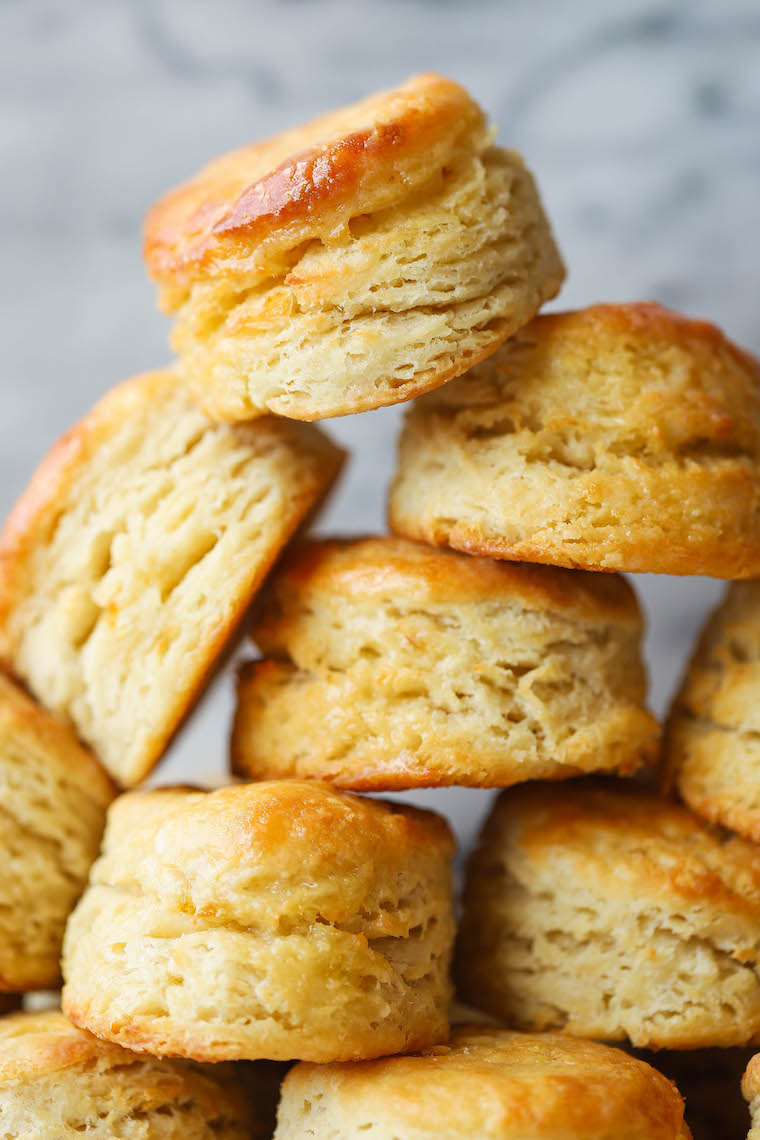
(640, 120)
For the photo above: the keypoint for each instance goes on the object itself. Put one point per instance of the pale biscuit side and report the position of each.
(751, 1091)
(609, 913)
(54, 800)
(428, 673)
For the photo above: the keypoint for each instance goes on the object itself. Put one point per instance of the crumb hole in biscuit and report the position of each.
(504, 426)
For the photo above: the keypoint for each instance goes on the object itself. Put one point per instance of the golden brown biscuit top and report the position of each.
(498, 1083)
(629, 843)
(274, 850)
(635, 378)
(396, 568)
(313, 178)
(648, 321)
(42, 1046)
(53, 740)
(35, 1044)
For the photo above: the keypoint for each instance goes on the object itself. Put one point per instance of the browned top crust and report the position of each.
(316, 843)
(36, 512)
(34, 1044)
(387, 566)
(631, 843)
(311, 179)
(720, 407)
(44, 1051)
(707, 398)
(496, 1083)
(646, 320)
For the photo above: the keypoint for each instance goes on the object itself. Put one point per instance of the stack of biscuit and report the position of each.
(383, 253)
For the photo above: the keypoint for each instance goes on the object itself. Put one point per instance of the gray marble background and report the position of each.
(641, 120)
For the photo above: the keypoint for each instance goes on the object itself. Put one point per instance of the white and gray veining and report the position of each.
(642, 121)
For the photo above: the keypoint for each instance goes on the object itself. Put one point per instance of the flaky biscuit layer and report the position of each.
(388, 664)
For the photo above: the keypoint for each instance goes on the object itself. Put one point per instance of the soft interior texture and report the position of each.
(129, 579)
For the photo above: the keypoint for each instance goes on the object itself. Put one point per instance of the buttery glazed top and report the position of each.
(497, 1083)
(38, 1044)
(33, 518)
(269, 852)
(418, 573)
(629, 843)
(637, 377)
(309, 181)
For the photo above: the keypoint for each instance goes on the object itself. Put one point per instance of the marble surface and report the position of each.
(641, 121)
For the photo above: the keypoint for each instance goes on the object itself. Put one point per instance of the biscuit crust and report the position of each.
(129, 561)
(485, 1083)
(618, 437)
(58, 1081)
(390, 665)
(751, 1093)
(605, 911)
(354, 262)
(710, 1082)
(276, 920)
(54, 800)
(712, 752)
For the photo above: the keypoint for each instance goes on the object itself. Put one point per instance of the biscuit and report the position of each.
(710, 1082)
(619, 437)
(603, 910)
(353, 262)
(278, 920)
(54, 799)
(58, 1082)
(128, 562)
(751, 1091)
(388, 664)
(486, 1083)
(713, 742)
